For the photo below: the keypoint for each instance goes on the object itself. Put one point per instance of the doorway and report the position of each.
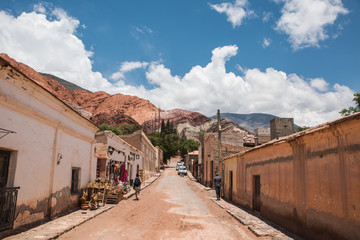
(211, 173)
(256, 193)
(231, 185)
(4, 167)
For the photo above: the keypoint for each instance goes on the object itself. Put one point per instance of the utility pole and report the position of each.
(219, 151)
(219, 139)
(152, 124)
(159, 127)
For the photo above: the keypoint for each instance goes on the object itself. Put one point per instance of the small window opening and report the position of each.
(75, 180)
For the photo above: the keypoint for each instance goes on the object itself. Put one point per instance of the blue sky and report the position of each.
(290, 58)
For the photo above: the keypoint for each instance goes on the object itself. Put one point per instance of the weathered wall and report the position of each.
(309, 181)
(230, 165)
(45, 128)
(123, 151)
(139, 140)
(211, 154)
(280, 127)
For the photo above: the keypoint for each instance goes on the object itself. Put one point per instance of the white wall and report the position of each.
(114, 141)
(45, 127)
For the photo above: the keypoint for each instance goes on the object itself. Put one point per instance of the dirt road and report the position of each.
(173, 207)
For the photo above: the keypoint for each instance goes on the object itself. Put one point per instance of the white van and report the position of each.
(178, 164)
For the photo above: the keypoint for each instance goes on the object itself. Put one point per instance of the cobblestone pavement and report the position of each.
(260, 227)
(53, 229)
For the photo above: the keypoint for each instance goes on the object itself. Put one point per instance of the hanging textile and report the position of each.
(123, 173)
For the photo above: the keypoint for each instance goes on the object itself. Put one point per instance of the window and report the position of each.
(4, 167)
(75, 180)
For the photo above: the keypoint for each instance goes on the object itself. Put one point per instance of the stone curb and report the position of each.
(259, 227)
(55, 228)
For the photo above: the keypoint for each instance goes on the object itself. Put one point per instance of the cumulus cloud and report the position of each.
(39, 8)
(211, 87)
(127, 67)
(51, 46)
(305, 20)
(235, 12)
(319, 84)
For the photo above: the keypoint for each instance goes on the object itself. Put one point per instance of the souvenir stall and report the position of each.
(118, 162)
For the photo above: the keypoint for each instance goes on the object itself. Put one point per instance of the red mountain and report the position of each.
(101, 107)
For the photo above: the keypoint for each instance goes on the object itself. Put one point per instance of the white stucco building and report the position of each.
(49, 151)
(139, 140)
(110, 148)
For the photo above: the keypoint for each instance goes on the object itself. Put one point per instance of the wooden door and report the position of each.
(231, 185)
(211, 173)
(256, 193)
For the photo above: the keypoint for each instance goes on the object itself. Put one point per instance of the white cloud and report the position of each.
(127, 67)
(319, 84)
(266, 16)
(235, 12)
(266, 42)
(208, 88)
(51, 46)
(39, 8)
(305, 20)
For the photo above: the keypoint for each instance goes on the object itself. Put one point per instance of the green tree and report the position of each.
(123, 129)
(170, 142)
(114, 129)
(129, 128)
(351, 109)
(167, 127)
(162, 129)
(299, 128)
(187, 145)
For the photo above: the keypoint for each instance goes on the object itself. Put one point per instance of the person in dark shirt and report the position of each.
(217, 183)
(137, 186)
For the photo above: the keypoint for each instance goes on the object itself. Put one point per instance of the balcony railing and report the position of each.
(8, 198)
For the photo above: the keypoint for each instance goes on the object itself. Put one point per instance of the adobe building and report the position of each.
(46, 150)
(111, 149)
(159, 158)
(230, 143)
(191, 162)
(262, 135)
(307, 182)
(280, 127)
(139, 140)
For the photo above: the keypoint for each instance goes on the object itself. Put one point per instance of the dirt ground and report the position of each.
(173, 207)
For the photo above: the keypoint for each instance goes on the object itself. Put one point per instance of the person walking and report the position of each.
(217, 183)
(137, 186)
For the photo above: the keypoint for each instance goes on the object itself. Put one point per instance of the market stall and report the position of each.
(101, 191)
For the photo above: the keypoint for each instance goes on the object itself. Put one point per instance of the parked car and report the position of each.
(182, 170)
(178, 164)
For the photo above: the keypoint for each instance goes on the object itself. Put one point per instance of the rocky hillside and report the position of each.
(249, 121)
(176, 116)
(100, 107)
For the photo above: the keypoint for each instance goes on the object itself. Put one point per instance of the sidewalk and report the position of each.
(259, 226)
(53, 229)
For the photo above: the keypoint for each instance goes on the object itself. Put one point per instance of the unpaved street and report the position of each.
(173, 207)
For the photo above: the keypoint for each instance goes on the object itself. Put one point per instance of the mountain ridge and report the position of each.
(249, 121)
